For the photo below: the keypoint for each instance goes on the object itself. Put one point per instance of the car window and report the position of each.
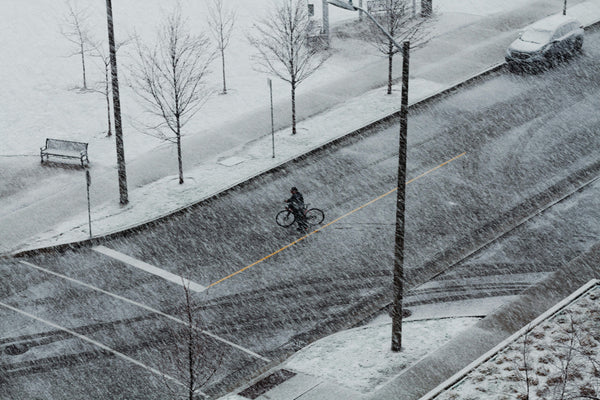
(536, 36)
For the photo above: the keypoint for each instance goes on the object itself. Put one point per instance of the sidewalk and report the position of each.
(346, 373)
(469, 45)
(465, 45)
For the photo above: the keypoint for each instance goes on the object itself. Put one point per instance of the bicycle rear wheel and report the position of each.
(284, 218)
(314, 216)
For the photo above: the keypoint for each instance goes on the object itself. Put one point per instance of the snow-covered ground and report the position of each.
(360, 359)
(43, 98)
(554, 358)
(561, 343)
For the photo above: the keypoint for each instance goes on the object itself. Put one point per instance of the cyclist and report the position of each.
(296, 204)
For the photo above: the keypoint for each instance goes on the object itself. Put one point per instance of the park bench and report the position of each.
(65, 149)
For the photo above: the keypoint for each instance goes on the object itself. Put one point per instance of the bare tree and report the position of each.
(76, 30)
(395, 16)
(189, 362)
(170, 79)
(281, 40)
(524, 370)
(102, 53)
(221, 21)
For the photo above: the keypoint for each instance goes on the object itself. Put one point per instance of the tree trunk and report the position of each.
(190, 346)
(107, 93)
(390, 61)
(223, 65)
(293, 84)
(179, 157)
(83, 64)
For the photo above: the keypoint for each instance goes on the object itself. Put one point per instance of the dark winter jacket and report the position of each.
(296, 201)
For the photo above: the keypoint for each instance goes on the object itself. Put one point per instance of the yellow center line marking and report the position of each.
(335, 220)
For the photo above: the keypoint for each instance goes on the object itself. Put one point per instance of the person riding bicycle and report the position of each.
(296, 204)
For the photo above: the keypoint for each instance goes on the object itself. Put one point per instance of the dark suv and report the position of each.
(545, 42)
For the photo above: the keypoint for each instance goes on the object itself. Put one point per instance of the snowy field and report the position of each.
(44, 99)
(42, 83)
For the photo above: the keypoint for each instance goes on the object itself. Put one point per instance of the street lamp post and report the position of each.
(116, 107)
(400, 193)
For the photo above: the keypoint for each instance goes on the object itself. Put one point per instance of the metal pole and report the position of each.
(360, 11)
(116, 107)
(272, 122)
(325, 6)
(400, 205)
(401, 192)
(88, 180)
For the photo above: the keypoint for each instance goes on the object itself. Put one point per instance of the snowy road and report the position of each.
(518, 143)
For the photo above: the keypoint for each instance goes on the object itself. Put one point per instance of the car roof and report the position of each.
(552, 22)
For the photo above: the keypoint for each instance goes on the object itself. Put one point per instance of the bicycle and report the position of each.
(312, 216)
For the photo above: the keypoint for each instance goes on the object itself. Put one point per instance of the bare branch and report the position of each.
(281, 41)
(398, 21)
(221, 22)
(76, 30)
(170, 77)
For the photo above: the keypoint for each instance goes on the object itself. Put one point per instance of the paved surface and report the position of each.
(495, 33)
(472, 45)
(442, 364)
(439, 366)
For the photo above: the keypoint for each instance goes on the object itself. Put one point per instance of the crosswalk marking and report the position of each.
(95, 343)
(150, 268)
(145, 307)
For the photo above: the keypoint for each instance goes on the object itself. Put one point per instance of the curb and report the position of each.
(439, 369)
(240, 183)
(247, 180)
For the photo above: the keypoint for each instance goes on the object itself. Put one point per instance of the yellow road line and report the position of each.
(335, 220)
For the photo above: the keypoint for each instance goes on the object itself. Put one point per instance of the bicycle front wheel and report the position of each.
(314, 216)
(284, 218)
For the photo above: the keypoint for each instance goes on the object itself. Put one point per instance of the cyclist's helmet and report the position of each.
(294, 189)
